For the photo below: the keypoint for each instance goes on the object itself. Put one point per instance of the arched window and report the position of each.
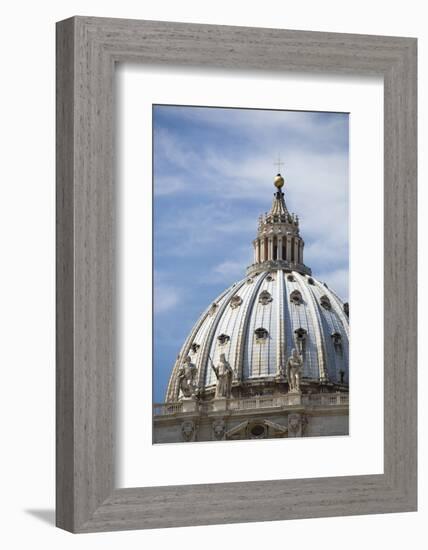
(291, 278)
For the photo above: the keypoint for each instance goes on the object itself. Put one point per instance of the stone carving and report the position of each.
(261, 334)
(296, 297)
(265, 298)
(219, 429)
(325, 302)
(186, 377)
(224, 375)
(188, 430)
(294, 366)
(236, 301)
(294, 424)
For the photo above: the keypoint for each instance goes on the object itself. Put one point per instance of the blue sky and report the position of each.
(213, 174)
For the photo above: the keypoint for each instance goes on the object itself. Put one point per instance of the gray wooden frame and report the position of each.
(87, 50)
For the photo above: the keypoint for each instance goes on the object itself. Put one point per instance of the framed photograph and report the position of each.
(236, 274)
(269, 356)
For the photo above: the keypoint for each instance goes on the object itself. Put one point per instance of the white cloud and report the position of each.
(259, 124)
(229, 269)
(166, 297)
(168, 185)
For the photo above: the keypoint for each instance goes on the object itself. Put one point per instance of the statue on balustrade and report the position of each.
(187, 379)
(224, 375)
(294, 367)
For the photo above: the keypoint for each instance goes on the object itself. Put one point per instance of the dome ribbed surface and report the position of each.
(259, 320)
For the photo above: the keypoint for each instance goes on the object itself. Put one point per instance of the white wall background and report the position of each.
(27, 270)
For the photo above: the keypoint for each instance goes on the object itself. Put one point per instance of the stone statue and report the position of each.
(294, 366)
(186, 378)
(224, 374)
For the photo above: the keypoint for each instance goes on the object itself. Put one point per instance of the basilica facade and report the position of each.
(267, 358)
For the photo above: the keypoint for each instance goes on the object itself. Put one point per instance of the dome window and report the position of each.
(223, 339)
(270, 278)
(265, 298)
(261, 334)
(325, 302)
(194, 347)
(346, 309)
(213, 308)
(337, 342)
(236, 301)
(311, 281)
(249, 281)
(291, 278)
(337, 338)
(301, 335)
(296, 297)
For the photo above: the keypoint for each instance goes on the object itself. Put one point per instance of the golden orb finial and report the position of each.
(278, 181)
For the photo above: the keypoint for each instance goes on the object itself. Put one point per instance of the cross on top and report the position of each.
(278, 163)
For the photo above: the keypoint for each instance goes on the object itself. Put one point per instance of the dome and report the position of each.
(259, 320)
(255, 324)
